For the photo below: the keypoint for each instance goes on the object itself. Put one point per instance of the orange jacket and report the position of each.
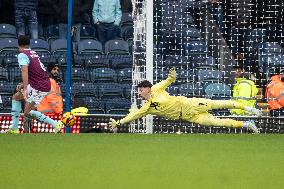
(52, 103)
(275, 93)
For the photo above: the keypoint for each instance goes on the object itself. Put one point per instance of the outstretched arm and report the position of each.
(133, 115)
(165, 83)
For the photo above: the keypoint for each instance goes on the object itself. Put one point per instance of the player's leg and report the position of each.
(231, 104)
(16, 110)
(30, 109)
(207, 119)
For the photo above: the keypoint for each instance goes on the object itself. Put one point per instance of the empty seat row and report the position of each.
(59, 47)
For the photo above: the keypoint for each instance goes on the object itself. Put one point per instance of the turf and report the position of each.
(122, 161)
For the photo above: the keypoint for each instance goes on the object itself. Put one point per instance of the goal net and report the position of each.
(206, 41)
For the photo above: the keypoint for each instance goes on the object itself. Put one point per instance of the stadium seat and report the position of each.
(177, 61)
(118, 106)
(80, 75)
(6, 87)
(4, 75)
(191, 33)
(218, 91)
(90, 46)
(116, 47)
(8, 31)
(173, 90)
(127, 33)
(126, 19)
(191, 90)
(207, 63)
(124, 75)
(58, 47)
(10, 61)
(9, 46)
(84, 89)
(120, 61)
(268, 48)
(103, 75)
(195, 47)
(95, 61)
(160, 74)
(110, 90)
(15, 74)
(94, 105)
(209, 75)
(40, 46)
(127, 87)
(185, 76)
(52, 33)
(257, 34)
(87, 32)
(6, 104)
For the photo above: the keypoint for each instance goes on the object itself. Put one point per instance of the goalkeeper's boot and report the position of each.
(12, 131)
(59, 125)
(251, 126)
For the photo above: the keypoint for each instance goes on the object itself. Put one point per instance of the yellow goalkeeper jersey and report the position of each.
(160, 104)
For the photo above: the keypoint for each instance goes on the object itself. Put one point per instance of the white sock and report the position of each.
(247, 108)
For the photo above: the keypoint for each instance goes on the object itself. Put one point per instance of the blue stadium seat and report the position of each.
(9, 46)
(80, 75)
(209, 75)
(52, 33)
(218, 91)
(173, 90)
(8, 31)
(87, 32)
(84, 89)
(103, 75)
(191, 90)
(94, 105)
(204, 63)
(127, 33)
(90, 46)
(127, 87)
(116, 47)
(118, 106)
(58, 47)
(120, 61)
(6, 87)
(191, 33)
(268, 48)
(126, 19)
(110, 90)
(257, 34)
(196, 47)
(124, 75)
(6, 105)
(185, 76)
(177, 61)
(40, 46)
(95, 61)
(160, 74)
(4, 75)
(10, 61)
(15, 74)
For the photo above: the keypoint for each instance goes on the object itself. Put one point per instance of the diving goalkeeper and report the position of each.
(195, 110)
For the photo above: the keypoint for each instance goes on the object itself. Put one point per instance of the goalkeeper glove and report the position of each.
(173, 74)
(114, 123)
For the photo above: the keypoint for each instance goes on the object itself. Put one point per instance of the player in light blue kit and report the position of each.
(36, 85)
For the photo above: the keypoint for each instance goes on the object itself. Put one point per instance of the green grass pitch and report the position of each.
(134, 161)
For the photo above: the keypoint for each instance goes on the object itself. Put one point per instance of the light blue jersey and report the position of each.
(23, 59)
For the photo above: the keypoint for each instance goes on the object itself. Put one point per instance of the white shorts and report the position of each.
(35, 95)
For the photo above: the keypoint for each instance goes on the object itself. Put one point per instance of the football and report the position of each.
(68, 119)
